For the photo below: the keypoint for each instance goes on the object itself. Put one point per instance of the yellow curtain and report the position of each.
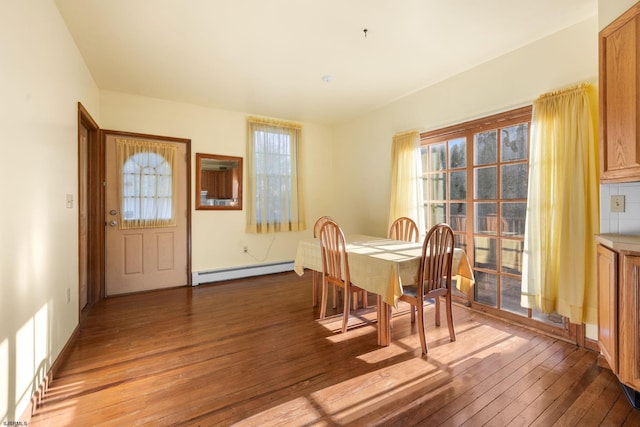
(406, 179)
(146, 184)
(275, 201)
(559, 262)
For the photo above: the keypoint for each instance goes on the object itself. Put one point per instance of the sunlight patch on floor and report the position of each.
(383, 353)
(364, 395)
(300, 411)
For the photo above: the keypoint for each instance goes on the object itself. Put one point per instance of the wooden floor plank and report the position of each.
(619, 411)
(197, 356)
(498, 405)
(603, 403)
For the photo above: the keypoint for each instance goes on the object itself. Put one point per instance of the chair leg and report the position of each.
(314, 291)
(365, 303)
(421, 330)
(335, 296)
(325, 291)
(452, 332)
(412, 309)
(437, 311)
(346, 295)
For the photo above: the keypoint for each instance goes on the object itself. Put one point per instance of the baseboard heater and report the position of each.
(212, 276)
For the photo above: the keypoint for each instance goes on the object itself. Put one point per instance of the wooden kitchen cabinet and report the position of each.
(629, 323)
(619, 75)
(608, 305)
(619, 309)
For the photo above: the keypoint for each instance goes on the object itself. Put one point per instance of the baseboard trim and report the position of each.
(592, 345)
(200, 277)
(40, 392)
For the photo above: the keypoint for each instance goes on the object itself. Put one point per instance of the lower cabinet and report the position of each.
(629, 323)
(619, 315)
(608, 305)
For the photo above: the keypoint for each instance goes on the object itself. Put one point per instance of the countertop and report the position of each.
(619, 242)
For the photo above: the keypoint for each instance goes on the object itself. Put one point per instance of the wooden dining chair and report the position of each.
(404, 228)
(316, 274)
(434, 279)
(335, 269)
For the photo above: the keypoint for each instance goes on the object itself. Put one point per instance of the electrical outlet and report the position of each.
(245, 249)
(617, 203)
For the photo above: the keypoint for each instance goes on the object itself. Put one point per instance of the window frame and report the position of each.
(291, 215)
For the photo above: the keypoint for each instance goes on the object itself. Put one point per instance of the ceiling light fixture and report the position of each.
(327, 78)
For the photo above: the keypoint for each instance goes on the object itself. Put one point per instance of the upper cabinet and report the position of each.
(619, 97)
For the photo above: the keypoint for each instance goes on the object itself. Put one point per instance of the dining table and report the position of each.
(382, 266)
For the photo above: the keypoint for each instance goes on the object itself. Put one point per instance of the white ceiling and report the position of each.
(267, 57)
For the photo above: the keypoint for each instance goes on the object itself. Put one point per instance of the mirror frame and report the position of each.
(199, 159)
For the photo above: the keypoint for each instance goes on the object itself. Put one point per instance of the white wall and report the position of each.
(42, 77)
(218, 237)
(608, 10)
(627, 222)
(363, 162)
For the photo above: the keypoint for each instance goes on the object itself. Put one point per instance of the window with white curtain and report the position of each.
(475, 178)
(146, 183)
(274, 201)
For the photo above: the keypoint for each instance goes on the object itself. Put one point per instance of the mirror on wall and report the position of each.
(218, 182)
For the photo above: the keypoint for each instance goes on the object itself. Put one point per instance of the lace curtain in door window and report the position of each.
(146, 184)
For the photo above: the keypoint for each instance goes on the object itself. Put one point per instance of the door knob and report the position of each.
(113, 223)
(112, 212)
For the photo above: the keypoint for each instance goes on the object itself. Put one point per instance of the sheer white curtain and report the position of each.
(559, 263)
(146, 184)
(274, 192)
(406, 179)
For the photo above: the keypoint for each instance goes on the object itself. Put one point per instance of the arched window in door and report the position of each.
(146, 184)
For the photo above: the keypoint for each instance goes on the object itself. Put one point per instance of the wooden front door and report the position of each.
(145, 257)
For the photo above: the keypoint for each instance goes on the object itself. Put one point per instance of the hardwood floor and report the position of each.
(251, 353)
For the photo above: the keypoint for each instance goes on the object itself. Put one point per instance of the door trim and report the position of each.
(95, 227)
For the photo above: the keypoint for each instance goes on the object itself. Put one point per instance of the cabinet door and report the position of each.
(629, 323)
(619, 91)
(608, 305)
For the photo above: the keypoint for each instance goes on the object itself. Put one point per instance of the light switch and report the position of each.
(69, 201)
(617, 203)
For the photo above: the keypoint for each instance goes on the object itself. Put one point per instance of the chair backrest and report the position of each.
(335, 264)
(319, 223)
(405, 229)
(437, 257)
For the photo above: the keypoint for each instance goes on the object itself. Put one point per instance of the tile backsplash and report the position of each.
(627, 222)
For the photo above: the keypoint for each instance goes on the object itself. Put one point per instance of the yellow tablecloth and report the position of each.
(381, 265)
